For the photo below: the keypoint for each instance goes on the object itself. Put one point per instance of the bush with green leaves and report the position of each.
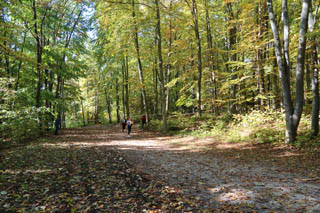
(18, 125)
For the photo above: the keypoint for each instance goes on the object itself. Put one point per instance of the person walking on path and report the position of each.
(130, 123)
(123, 123)
(57, 124)
(143, 121)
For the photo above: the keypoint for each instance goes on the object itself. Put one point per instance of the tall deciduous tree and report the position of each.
(161, 72)
(293, 114)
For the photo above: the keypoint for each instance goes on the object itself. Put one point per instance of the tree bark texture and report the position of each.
(140, 69)
(199, 53)
(210, 57)
(161, 74)
(293, 115)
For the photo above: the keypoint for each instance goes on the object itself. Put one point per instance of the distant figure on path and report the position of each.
(57, 124)
(143, 121)
(123, 124)
(130, 123)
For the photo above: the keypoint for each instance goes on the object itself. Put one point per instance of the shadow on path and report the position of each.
(215, 173)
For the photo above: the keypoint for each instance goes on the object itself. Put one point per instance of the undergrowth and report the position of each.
(255, 127)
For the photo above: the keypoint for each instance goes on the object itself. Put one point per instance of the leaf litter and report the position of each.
(99, 169)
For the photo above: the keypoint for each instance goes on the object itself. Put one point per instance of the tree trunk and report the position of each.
(87, 97)
(20, 63)
(140, 69)
(155, 81)
(123, 71)
(194, 12)
(211, 56)
(232, 41)
(117, 100)
(161, 74)
(275, 88)
(293, 115)
(127, 86)
(108, 100)
(38, 52)
(315, 90)
(315, 75)
(169, 55)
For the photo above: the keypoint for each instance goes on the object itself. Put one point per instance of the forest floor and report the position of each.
(100, 169)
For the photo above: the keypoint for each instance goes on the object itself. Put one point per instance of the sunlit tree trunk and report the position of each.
(260, 51)
(232, 30)
(123, 71)
(169, 55)
(194, 12)
(293, 115)
(161, 74)
(210, 57)
(140, 69)
(117, 100)
(315, 74)
(155, 82)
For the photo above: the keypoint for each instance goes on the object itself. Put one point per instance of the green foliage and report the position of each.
(266, 136)
(254, 127)
(16, 126)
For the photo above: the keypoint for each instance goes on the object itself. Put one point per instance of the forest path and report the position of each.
(256, 177)
(100, 169)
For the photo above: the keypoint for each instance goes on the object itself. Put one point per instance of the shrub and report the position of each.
(16, 126)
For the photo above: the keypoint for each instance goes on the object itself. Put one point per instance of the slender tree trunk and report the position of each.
(211, 56)
(123, 70)
(20, 63)
(67, 43)
(199, 53)
(315, 74)
(108, 101)
(63, 119)
(155, 80)
(87, 100)
(308, 74)
(117, 100)
(161, 74)
(233, 57)
(127, 87)
(286, 37)
(169, 55)
(140, 69)
(97, 109)
(315, 90)
(38, 52)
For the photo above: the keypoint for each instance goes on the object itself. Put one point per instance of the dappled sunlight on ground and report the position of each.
(36, 171)
(211, 171)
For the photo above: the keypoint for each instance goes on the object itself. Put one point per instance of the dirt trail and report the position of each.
(212, 172)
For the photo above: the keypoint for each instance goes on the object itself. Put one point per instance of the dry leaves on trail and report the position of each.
(100, 169)
(39, 178)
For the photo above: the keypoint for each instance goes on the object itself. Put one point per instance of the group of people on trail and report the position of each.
(129, 122)
(124, 123)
